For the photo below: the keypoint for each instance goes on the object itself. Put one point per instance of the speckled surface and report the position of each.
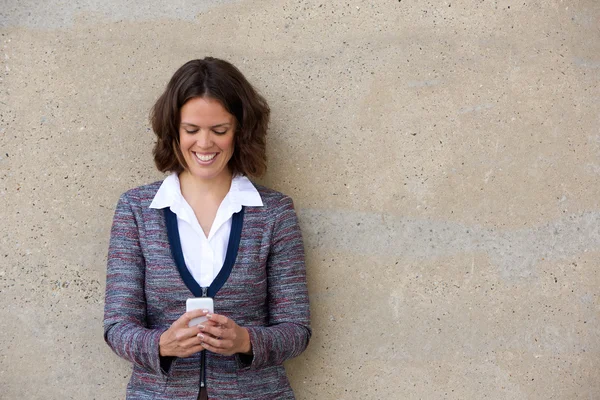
(444, 159)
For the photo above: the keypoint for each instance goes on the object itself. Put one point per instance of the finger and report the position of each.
(215, 349)
(208, 347)
(219, 319)
(185, 319)
(192, 350)
(209, 323)
(190, 343)
(215, 342)
(218, 332)
(182, 334)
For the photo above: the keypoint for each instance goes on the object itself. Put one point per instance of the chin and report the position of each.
(206, 175)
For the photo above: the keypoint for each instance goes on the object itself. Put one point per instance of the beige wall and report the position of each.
(443, 158)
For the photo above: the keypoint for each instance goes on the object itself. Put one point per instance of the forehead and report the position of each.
(205, 111)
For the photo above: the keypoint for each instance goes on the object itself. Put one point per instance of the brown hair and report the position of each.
(220, 80)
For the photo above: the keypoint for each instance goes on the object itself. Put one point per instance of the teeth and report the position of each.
(205, 157)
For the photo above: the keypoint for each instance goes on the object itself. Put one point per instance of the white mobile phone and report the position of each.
(199, 303)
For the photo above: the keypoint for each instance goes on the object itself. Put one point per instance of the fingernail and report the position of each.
(201, 336)
(201, 326)
(205, 311)
(208, 315)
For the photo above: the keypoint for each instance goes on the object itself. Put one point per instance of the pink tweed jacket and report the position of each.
(265, 292)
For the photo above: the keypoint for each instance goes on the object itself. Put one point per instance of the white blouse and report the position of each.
(204, 256)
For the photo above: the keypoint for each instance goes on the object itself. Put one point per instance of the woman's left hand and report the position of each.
(223, 336)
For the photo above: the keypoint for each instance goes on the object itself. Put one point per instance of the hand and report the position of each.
(180, 340)
(223, 336)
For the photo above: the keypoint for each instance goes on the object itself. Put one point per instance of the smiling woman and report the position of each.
(207, 231)
(218, 80)
(206, 138)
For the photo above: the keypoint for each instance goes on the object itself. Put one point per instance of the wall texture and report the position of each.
(443, 157)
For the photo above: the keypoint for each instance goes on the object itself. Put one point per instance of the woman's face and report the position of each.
(206, 137)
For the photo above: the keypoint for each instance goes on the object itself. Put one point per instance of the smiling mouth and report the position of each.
(205, 157)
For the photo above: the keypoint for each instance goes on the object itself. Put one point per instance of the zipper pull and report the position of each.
(205, 292)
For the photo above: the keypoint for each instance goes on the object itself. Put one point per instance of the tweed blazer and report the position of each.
(265, 293)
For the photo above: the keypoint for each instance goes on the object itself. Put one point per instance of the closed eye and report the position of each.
(220, 129)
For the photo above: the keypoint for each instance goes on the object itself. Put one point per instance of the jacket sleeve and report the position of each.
(288, 330)
(125, 328)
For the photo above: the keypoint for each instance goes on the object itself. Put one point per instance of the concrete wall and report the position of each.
(443, 157)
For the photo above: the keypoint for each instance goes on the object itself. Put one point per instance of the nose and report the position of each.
(203, 139)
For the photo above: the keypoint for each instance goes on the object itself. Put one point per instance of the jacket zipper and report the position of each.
(203, 352)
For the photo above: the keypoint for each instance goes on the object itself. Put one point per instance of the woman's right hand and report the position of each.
(180, 340)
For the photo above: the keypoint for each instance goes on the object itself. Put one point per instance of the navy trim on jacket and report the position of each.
(232, 250)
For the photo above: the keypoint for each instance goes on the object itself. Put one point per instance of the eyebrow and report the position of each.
(212, 127)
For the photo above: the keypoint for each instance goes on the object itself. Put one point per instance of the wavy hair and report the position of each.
(219, 80)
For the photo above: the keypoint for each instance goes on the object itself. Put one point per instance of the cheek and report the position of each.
(181, 141)
(227, 144)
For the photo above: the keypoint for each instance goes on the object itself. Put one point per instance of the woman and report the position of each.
(206, 230)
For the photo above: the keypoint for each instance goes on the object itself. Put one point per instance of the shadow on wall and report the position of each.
(515, 252)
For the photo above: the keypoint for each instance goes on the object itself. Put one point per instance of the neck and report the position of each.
(193, 188)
